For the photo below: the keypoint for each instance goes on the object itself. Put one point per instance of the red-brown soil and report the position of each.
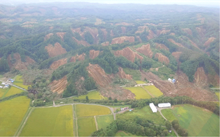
(163, 31)
(55, 50)
(48, 36)
(58, 85)
(105, 43)
(174, 42)
(200, 78)
(161, 58)
(111, 33)
(105, 33)
(145, 49)
(176, 55)
(78, 58)
(139, 39)
(214, 80)
(123, 29)
(210, 40)
(93, 54)
(120, 40)
(122, 74)
(161, 46)
(58, 63)
(19, 65)
(128, 53)
(61, 34)
(194, 44)
(124, 24)
(81, 42)
(172, 34)
(141, 29)
(187, 30)
(151, 34)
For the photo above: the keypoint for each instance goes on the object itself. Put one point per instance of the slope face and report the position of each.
(80, 57)
(120, 40)
(55, 50)
(58, 63)
(162, 58)
(93, 54)
(145, 49)
(59, 86)
(128, 53)
(122, 74)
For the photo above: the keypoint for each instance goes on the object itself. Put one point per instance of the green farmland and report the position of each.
(197, 121)
(140, 82)
(54, 121)
(19, 82)
(154, 91)
(139, 92)
(86, 126)
(104, 121)
(91, 95)
(12, 91)
(3, 92)
(12, 113)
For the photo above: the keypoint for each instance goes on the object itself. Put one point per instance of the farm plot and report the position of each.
(104, 121)
(54, 121)
(92, 95)
(145, 113)
(11, 114)
(197, 121)
(3, 92)
(12, 91)
(19, 82)
(86, 126)
(83, 110)
(217, 94)
(139, 92)
(154, 91)
(140, 82)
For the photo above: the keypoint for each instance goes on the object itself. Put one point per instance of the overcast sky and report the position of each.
(215, 3)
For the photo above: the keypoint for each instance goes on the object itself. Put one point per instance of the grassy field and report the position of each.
(145, 113)
(168, 114)
(83, 110)
(136, 75)
(92, 95)
(54, 121)
(140, 82)
(123, 134)
(11, 114)
(3, 92)
(153, 90)
(104, 121)
(139, 92)
(86, 126)
(197, 121)
(19, 82)
(12, 91)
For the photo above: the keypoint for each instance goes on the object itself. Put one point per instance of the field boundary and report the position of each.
(148, 92)
(5, 94)
(75, 120)
(96, 124)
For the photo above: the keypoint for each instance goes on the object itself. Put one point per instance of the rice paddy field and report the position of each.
(217, 94)
(83, 110)
(19, 82)
(11, 114)
(140, 82)
(139, 92)
(153, 90)
(12, 91)
(54, 121)
(3, 92)
(104, 121)
(86, 126)
(92, 95)
(145, 113)
(197, 121)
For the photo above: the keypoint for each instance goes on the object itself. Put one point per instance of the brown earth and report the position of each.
(78, 58)
(194, 44)
(187, 30)
(200, 18)
(120, 40)
(174, 42)
(19, 65)
(139, 39)
(111, 33)
(105, 33)
(141, 29)
(201, 32)
(58, 85)
(81, 42)
(93, 54)
(172, 34)
(123, 29)
(214, 80)
(200, 78)
(159, 32)
(122, 74)
(151, 34)
(58, 63)
(105, 43)
(210, 40)
(150, 24)
(161, 46)
(124, 24)
(176, 55)
(145, 49)
(61, 34)
(161, 58)
(48, 36)
(128, 53)
(55, 50)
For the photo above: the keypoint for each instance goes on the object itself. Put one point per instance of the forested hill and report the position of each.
(77, 47)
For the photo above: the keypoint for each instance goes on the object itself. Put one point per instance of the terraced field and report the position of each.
(11, 114)
(154, 91)
(19, 82)
(139, 92)
(197, 121)
(92, 95)
(12, 91)
(104, 121)
(54, 121)
(86, 126)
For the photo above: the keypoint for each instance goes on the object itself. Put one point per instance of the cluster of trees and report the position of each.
(181, 131)
(4, 65)
(137, 126)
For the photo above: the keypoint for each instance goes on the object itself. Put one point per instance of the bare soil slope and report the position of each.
(55, 50)
(120, 40)
(59, 85)
(145, 49)
(128, 53)
(122, 74)
(58, 63)
(93, 54)
(161, 58)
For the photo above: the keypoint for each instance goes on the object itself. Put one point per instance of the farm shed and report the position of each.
(164, 105)
(153, 108)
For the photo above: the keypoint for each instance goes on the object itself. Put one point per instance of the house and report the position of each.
(173, 81)
(3, 83)
(169, 79)
(164, 105)
(125, 108)
(1, 87)
(153, 107)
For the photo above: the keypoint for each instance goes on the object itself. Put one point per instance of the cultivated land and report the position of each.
(139, 92)
(143, 113)
(153, 90)
(86, 126)
(217, 93)
(83, 110)
(197, 121)
(3, 92)
(12, 113)
(91, 95)
(54, 121)
(19, 82)
(124, 134)
(140, 82)
(104, 121)
(12, 91)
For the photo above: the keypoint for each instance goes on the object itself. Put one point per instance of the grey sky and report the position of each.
(179, 2)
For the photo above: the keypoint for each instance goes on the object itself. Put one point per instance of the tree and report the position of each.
(89, 38)
(168, 125)
(109, 98)
(115, 100)
(87, 99)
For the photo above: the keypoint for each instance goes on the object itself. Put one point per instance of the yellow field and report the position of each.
(19, 82)
(12, 91)
(140, 82)
(217, 93)
(11, 114)
(83, 110)
(3, 91)
(92, 95)
(86, 126)
(139, 92)
(153, 90)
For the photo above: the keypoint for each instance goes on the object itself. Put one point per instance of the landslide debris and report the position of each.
(128, 53)
(161, 46)
(48, 36)
(105, 43)
(120, 40)
(200, 78)
(93, 54)
(58, 63)
(141, 29)
(58, 85)
(187, 30)
(145, 49)
(81, 42)
(174, 42)
(55, 50)
(176, 55)
(210, 40)
(61, 34)
(161, 58)
(122, 74)
(80, 57)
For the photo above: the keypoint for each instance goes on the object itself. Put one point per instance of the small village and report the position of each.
(6, 84)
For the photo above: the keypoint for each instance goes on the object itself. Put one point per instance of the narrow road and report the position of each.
(18, 87)
(54, 104)
(75, 117)
(96, 124)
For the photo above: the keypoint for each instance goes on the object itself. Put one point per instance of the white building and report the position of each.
(0, 86)
(164, 105)
(3, 83)
(153, 107)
